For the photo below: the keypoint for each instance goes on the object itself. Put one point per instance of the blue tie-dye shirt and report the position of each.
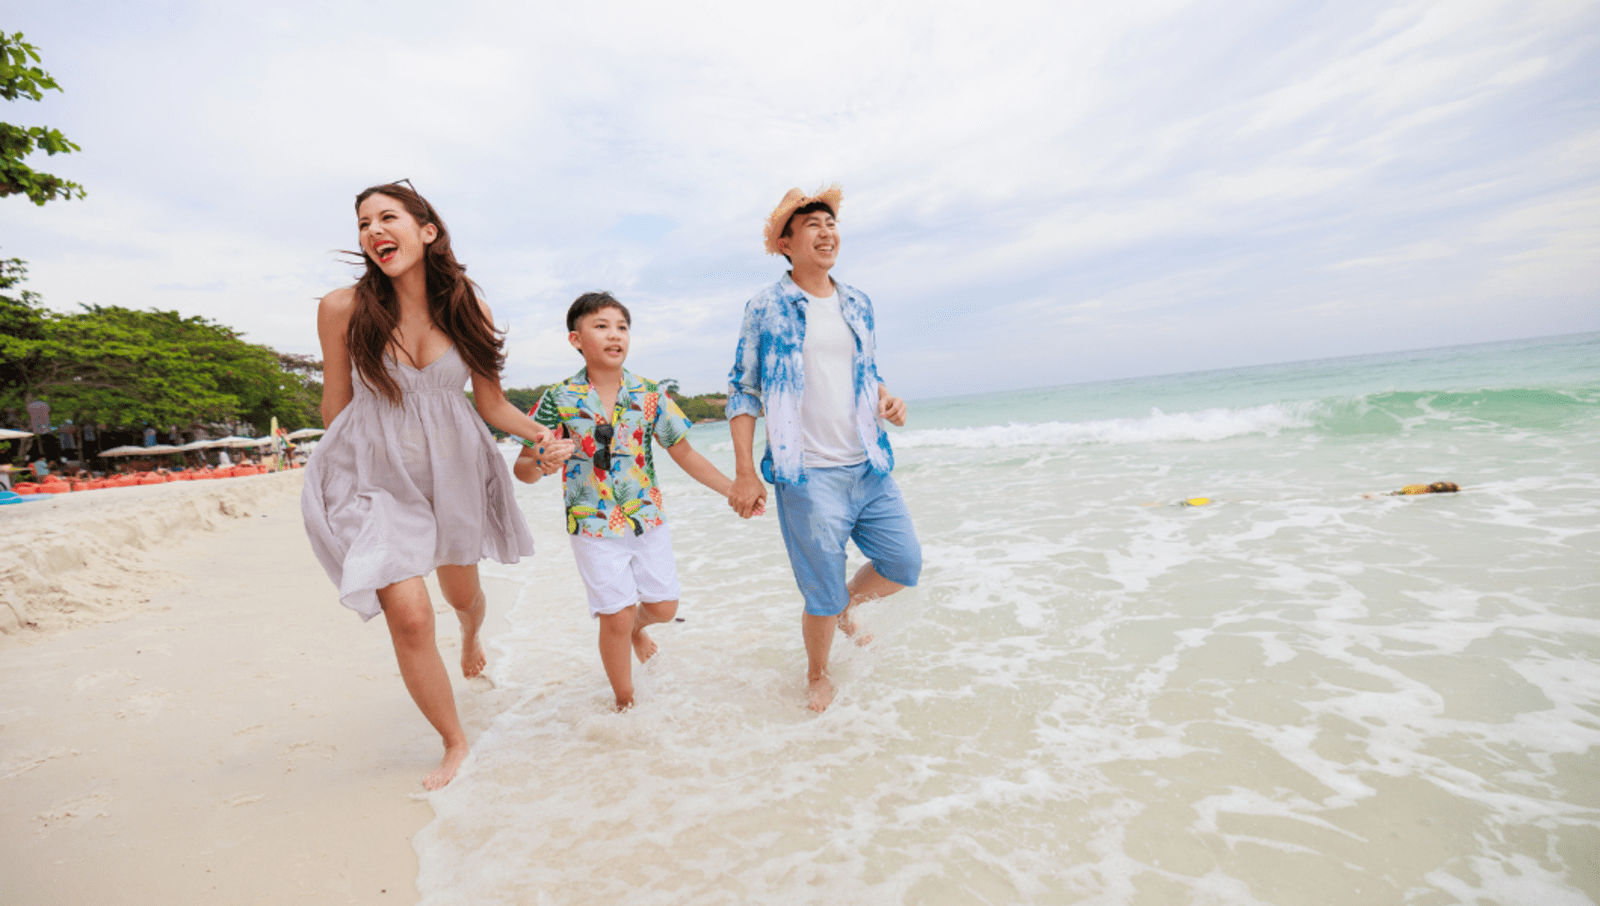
(769, 376)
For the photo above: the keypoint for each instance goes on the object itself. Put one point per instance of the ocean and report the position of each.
(1300, 692)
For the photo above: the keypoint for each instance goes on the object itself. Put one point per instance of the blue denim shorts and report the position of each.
(847, 502)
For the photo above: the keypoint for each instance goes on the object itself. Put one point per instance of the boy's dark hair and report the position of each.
(812, 208)
(589, 303)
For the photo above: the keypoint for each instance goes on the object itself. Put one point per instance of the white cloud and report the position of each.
(1195, 172)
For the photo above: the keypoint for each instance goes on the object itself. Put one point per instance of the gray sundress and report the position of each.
(393, 492)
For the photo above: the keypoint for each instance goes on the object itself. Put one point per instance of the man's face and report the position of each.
(813, 241)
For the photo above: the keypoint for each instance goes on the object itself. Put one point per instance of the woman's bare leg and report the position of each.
(465, 593)
(409, 614)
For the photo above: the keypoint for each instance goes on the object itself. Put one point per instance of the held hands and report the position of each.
(551, 451)
(748, 496)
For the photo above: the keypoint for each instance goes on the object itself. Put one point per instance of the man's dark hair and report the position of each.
(589, 303)
(812, 208)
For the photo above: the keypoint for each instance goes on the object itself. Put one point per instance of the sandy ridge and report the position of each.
(79, 559)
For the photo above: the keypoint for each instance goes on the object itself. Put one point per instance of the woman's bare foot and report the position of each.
(644, 647)
(851, 627)
(473, 660)
(446, 771)
(819, 695)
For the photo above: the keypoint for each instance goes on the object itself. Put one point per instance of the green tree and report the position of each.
(125, 368)
(20, 76)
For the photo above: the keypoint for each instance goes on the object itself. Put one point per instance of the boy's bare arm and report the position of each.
(701, 470)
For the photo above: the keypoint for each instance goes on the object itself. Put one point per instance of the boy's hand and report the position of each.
(893, 410)
(748, 496)
(555, 453)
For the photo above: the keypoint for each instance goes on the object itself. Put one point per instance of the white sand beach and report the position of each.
(189, 716)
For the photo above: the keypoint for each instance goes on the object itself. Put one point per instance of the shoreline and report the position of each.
(235, 736)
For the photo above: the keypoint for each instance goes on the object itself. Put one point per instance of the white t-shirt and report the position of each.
(827, 410)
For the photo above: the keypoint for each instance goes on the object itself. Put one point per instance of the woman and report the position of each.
(407, 479)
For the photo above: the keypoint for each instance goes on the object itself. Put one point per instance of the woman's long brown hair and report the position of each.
(452, 305)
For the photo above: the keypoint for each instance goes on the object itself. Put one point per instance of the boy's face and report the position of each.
(813, 241)
(602, 338)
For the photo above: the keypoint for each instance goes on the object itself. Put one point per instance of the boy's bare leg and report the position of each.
(650, 613)
(818, 632)
(866, 585)
(465, 593)
(409, 613)
(616, 653)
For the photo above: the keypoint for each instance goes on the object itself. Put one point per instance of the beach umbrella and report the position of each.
(162, 448)
(233, 440)
(125, 451)
(197, 445)
(8, 434)
(305, 432)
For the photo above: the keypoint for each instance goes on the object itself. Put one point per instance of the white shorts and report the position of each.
(620, 572)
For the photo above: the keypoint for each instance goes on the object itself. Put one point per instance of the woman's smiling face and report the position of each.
(390, 236)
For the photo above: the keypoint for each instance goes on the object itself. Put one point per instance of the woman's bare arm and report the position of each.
(333, 324)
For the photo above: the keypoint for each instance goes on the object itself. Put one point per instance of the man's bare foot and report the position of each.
(819, 695)
(446, 771)
(473, 660)
(851, 627)
(643, 646)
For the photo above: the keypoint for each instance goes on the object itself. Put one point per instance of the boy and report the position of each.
(807, 360)
(619, 534)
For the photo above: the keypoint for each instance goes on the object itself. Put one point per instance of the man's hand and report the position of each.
(748, 496)
(891, 409)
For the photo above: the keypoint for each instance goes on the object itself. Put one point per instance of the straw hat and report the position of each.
(794, 201)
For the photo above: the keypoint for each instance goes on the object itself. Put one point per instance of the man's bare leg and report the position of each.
(409, 613)
(465, 593)
(866, 585)
(650, 613)
(818, 632)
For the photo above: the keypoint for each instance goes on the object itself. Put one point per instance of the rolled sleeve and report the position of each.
(744, 380)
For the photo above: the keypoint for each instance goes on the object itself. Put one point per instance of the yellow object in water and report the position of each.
(1197, 501)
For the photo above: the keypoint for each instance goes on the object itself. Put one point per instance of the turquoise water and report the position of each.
(1298, 693)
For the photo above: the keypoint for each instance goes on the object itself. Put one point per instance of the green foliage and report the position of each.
(20, 78)
(705, 406)
(525, 398)
(125, 368)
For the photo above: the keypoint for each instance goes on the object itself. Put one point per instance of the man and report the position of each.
(806, 359)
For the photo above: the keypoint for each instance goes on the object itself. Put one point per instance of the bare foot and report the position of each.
(819, 695)
(852, 628)
(473, 660)
(446, 771)
(643, 646)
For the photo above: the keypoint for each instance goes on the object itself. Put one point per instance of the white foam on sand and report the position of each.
(1292, 691)
(75, 559)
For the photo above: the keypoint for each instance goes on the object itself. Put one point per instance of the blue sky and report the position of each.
(1035, 193)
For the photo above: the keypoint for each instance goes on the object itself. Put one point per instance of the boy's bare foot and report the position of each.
(446, 771)
(473, 660)
(819, 695)
(851, 627)
(643, 646)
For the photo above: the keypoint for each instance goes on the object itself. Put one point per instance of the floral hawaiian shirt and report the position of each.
(624, 499)
(769, 376)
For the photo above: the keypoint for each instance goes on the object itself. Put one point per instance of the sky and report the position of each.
(1035, 193)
